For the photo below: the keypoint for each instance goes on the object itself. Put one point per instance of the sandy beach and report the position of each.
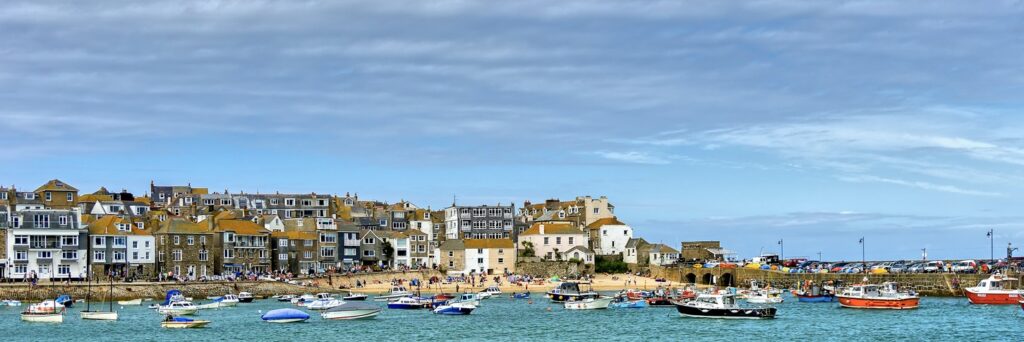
(381, 283)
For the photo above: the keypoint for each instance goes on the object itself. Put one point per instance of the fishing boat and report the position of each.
(285, 298)
(130, 302)
(444, 296)
(284, 316)
(230, 300)
(179, 308)
(455, 308)
(408, 303)
(245, 297)
(49, 311)
(182, 323)
(569, 291)
(764, 296)
(469, 298)
(721, 305)
(994, 290)
(811, 293)
(109, 315)
(395, 292)
(324, 301)
(351, 310)
(354, 296)
(884, 296)
(588, 303)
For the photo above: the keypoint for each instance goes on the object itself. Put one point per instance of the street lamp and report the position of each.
(782, 250)
(863, 260)
(991, 245)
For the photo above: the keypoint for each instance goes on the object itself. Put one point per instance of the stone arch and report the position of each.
(707, 278)
(691, 278)
(725, 280)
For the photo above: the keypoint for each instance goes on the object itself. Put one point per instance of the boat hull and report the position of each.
(559, 297)
(454, 310)
(745, 313)
(407, 306)
(286, 320)
(354, 298)
(137, 301)
(178, 312)
(42, 318)
(100, 315)
(350, 315)
(999, 298)
(596, 304)
(816, 299)
(184, 325)
(879, 303)
(245, 300)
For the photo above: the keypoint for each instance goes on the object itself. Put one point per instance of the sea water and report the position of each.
(501, 318)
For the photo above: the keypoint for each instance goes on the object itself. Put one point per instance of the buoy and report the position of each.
(549, 308)
(259, 311)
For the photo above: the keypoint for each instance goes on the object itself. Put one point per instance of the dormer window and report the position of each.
(289, 202)
(140, 225)
(48, 197)
(561, 214)
(122, 227)
(208, 201)
(63, 220)
(30, 196)
(426, 215)
(348, 202)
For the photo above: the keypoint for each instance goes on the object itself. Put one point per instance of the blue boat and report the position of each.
(65, 300)
(456, 308)
(524, 295)
(626, 304)
(284, 316)
(409, 303)
(813, 293)
(815, 299)
(173, 296)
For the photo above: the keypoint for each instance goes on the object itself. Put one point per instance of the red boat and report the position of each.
(994, 291)
(885, 296)
(444, 296)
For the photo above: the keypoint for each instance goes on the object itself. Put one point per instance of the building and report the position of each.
(242, 245)
(286, 206)
(184, 249)
(636, 252)
(662, 255)
(349, 240)
(371, 248)
(608, 236)
(165, 196)
(295, 251)
(551, 240)
(5, 217)
(702, 250)
(478, 222)
(478, 256)
(47, 242)
(120, 247)
(581, 212)
(56, 194)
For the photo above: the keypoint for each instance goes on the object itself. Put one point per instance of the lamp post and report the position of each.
(863, 259)
(991, 245)
(782, 250)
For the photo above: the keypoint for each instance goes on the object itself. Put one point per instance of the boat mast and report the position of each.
(88, 292)
(111, 297)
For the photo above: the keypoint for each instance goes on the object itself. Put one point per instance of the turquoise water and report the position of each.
(947, 319)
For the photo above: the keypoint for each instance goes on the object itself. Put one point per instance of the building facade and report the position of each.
(479, 222)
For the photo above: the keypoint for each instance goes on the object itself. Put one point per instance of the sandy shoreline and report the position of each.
(613, 282)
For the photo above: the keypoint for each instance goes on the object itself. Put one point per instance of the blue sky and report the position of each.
(748, 122)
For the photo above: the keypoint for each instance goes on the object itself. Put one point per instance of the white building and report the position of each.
(51, 243)
(609, 236)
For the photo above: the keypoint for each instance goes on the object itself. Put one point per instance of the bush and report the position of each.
(610, 266)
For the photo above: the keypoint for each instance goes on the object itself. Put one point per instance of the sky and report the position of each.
(749, 122)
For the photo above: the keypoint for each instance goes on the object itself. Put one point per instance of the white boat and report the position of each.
(229, 300)
(303, 300)
(137, 301)
(245, 297)
(483, 295)
(183, 323)
(178, 308)
(11, 302)
(721, 306)
(324, 301)
(469, 298)
(46, 312)
(589, 303)
(395, 292)
(100, 315)
(209, 306)
(764, 296)
(351, 310)
(455, 308)
(285, 298)
(493, 290)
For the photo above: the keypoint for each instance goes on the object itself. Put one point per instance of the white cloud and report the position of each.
(633, 157)
(917, 184)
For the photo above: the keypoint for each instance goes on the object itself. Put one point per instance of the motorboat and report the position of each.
(323, 301)
(483, 295)
(285, 298)
(49, 311)
(569, 291)
(245, 297)
(722, 305)
(229, 300)
(469, 298)
(130, 302)
(994, 290)
(812, 293)
(625, 303)
(589, 303)
(409, 303)
(284, 316)
(493, 290)
(179, 308)
(65, 300)
(354, 297)
(303, 300)
(182, 323)
(884, 296)
(351, 310)
(455, 308)
(764, 296)
(395, 292)
(524, 295)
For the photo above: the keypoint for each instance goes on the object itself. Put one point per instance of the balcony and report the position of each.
(45, 245)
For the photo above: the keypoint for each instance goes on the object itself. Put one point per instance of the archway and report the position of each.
(691, 278)
(725, 280)
(706, 279)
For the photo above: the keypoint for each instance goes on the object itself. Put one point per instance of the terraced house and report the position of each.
(47, 242)
(56, 194)
(295, 251)
(243, 245)
(325, 247)
(478, 222)
(478, 256)
(285, 206)
(184, 248)
(122, 247)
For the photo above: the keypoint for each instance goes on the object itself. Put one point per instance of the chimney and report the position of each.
(541, 229)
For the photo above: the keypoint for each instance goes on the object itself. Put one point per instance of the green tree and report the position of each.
(528, 249)
(387, 250)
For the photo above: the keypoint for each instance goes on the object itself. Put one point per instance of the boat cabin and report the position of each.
(716, 300)
(996, 283)
(399, 290)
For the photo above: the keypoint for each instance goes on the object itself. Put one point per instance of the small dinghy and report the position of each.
(182, 323)
(524, 295)
(352, 310)
(629, 304)
(285, 316)
(137, 301)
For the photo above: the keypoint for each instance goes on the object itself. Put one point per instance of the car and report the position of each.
(900, 266)
(917, 267)
(964, 266)
(838, 267)
(934, 266)
(807, 264)
(882, 265)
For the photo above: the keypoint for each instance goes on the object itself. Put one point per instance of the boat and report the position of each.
(483, 295)
(409, 303)
(354, 297)
(49, 311)
(245, 297)
(624, 303)
(588, 303)
(230, 300)
(764, 296)
(179, 308)
(884, 296)
(285, 298)
(130, 302)
(569, 291)
(994, 290)
(444, 296)
(65, 300)
(109, 315)
(811, 293)
(284, 316)
(395, 292)
(324, 301)
(182, 323)
(11, 302)
(455, 308)
(303, 300)
(524, 295)
(351, 310)
(721, 305)
(210, 306)
(493, 290)
(469, 298)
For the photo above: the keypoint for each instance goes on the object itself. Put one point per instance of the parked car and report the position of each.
(934, 266)
(964, 266)
(917, 267)
(838, 267)
(900, 266)
(882, 266)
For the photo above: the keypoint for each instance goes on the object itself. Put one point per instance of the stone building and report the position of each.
(56, 194)
(295, 251)
(478, 256)
(699, 250)
(243, 245)
(122, 248)
(184, 248)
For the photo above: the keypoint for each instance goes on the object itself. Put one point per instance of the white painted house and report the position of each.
(609, 236)
(50, 243)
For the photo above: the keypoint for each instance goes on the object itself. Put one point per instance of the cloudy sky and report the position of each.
(815, 122)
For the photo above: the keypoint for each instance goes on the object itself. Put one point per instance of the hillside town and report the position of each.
(187, 233)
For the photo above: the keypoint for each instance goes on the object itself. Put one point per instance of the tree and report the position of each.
(528, 249)
(387, 251)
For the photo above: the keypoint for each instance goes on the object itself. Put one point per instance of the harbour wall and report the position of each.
(928, 284)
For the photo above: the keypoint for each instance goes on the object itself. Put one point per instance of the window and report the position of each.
(225, 202)
(20, 255)
(99, 256)
(479, 260)
(501, 251)
(207, 201)
(229, 253)
(41, 221)
(191, 240)
(229, 237)
(21, 240)
(44, 255)
(202, 240)
(597, 210)
(135, 255)
(307, 202)
(369, 254)
(501, 260)
(69, 255)
(328, 238)
(307, 255)
(64, 270)
(120, 241)
(368, 241)
(177, 240)
(263, 254)
(451, 254)
(545, 240)
(71, 197)
(480, 251)
(62, 220)
(558, 240)
(17, 222)
(421, 249)
(204, 255)
(70, 241)
(307, 243)
(571, 240)
(282, 256)
(118, 255)
(274, 201)
(289, 202)
(327, 252)
(451, 263)
(176, 255)
(135, 244)
(20, 269)
(48, 197)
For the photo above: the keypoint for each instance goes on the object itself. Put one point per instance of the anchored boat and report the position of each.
(245, 297)
(994, 290)
(182, 323)
(721, 306)
(396, 292)
(884, 296)
(455, 308)
(588, 303)
(284, 316)
(351, 310)
(49, 311)
(567, 291)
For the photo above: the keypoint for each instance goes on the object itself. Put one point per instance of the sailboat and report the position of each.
(99, 315)
(48, 311)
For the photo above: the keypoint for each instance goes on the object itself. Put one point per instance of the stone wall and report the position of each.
(552, 268)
